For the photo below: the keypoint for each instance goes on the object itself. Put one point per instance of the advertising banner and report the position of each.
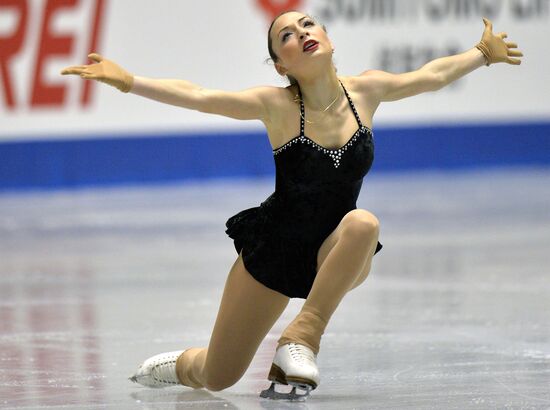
(223, 45)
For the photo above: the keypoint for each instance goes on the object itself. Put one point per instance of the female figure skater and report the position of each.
(308, 239)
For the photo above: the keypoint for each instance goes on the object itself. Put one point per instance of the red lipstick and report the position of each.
(311, 45)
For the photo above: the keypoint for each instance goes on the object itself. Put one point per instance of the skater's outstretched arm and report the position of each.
(248, 104)
(442, 71)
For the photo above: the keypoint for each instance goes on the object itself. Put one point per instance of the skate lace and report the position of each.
(301, 353)
(165, 372)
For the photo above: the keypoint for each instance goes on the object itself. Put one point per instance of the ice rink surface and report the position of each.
(454, 315)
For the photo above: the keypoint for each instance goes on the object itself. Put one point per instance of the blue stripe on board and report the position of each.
(170, 157)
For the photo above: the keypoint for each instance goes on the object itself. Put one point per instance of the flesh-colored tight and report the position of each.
(248, 311)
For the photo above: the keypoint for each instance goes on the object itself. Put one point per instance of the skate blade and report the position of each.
(272, 394)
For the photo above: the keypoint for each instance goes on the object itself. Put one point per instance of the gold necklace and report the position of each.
(297, 98)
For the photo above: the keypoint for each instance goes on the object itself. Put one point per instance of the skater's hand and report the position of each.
(495, 49)
(105, 71)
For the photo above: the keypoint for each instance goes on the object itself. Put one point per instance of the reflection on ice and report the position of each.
(453, 315)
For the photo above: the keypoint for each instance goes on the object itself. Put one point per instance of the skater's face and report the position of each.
(296, 42)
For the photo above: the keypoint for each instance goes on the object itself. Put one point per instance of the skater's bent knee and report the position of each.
(361, 225)
(216, 383)
(215, 386)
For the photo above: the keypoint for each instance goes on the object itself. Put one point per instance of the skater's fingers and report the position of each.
(488, 24)
(511, 45)
(514, 61)
(77, 69)
(95, 57)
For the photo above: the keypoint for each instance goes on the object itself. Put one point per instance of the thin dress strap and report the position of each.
(352, 106)
(302, 112)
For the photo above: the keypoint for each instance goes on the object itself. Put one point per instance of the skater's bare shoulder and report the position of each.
(283, 101)
(284, 115)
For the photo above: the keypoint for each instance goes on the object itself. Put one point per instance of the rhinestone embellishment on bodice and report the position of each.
(335, 154)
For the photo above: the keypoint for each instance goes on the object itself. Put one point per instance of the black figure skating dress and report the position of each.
(314, 188)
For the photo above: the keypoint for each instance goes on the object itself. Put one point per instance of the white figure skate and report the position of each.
(158, 371)
(295, 365)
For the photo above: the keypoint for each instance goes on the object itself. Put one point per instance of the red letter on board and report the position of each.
(9, 46)
(43, 93)
(94, 47)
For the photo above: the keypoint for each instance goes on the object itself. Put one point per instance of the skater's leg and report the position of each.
(345, 258)
(247, 312)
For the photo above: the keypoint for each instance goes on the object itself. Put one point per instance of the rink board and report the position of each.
(177, 157)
